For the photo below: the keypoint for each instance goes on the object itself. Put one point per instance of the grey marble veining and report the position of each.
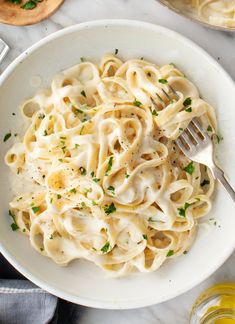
(220, 45)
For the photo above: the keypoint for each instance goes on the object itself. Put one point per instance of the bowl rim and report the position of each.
(52, 288)
(168, 5)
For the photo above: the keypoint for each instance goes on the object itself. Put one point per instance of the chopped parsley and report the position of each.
(170, 253)
(82, 59)
(35, 209)
(111, 189)
(24, 230)
(15, 1)
(105, 248)
(154, 113)
(96, 179)
(45, 133)
(187, 102)
(94, 203)
(144, 236)
(14, 225)
(83, 93)
(209, 128)
(41, 249)
(92, 174)
(51, 237)
(127, 176)
(73, 190)
(79, 111)
(82, 170)
(110, 164)
(76, 146)
(188, 109)
(60, 160)
(41, 116)
(185, 252)
(109, 209)
(219, 138)
(163, 81)
(182, 211)
(189, 168)
(29, 5)
(205, 182)
(137, 103)
(83, 205)
(116, 51)
(6, 137)
(58, 196)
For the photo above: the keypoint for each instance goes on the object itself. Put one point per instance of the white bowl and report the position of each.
(82, 282)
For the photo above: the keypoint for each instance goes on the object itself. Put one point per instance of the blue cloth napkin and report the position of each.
(21, 302)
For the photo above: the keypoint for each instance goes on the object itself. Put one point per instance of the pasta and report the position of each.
(216, 12)
(109, 183)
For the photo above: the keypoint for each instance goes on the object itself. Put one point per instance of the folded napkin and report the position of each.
(21, 302)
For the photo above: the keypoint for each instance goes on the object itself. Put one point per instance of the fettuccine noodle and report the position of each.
(111, 185)
(216, 12)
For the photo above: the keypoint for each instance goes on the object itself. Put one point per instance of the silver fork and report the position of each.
(4, 48)
(198, 146)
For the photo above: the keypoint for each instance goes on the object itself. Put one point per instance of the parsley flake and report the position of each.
(105, 248)
(137, 103)
(189, 110)
(182, 211)
(144, 236)
(111, 189)
(29, 5)
(83, 93)
(163, 81)
(154, 113)
(189, 168)
(35, 209)
(83, 205)
(6, 137)
(209, 128)
(187, 102)
(170, 253)
(109, 209)
(82, 170)
(110, 164)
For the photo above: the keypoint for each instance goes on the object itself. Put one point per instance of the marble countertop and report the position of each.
(221, 45)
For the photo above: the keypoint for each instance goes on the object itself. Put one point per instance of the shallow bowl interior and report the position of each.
(82, 282)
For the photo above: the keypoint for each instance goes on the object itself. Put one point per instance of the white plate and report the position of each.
(82, 282)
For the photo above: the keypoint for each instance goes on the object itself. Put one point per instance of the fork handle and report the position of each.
(219, 174)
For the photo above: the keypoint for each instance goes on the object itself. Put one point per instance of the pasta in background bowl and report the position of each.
(214, 13)
(82, 282)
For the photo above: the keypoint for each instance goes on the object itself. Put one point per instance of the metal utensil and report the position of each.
(4, 48)
(196, 144)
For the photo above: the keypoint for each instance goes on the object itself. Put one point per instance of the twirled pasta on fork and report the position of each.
(109, 183)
